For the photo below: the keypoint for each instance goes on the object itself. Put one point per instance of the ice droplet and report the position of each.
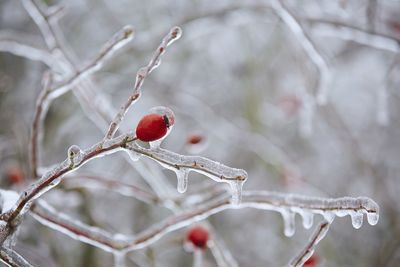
(236, 189)
(288, 222)
(183, 176)
(372, 218)
(74, 154)
(356, 219)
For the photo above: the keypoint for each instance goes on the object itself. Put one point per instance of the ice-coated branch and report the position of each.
(308, 250)
(75, 158)
(309, 47)
(34, 10)
(174, 34)
(355, 34)
(42, 105)
(124, 189)
(12, 258)
(49, 92)
(285, 204)
(182, 165)
(12, 43)
(117, 41)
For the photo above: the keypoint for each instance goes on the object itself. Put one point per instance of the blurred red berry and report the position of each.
(15, 175)
(194, 139)
(152, 127)
(311, 262)
(290, 104)
(198, 236)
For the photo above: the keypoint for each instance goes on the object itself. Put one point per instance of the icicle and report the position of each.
(119, 259)
(372, 218)
(288, 222)
(198, 258)
(356, 219)
(182, 175)
(236, 189)
(308, 219)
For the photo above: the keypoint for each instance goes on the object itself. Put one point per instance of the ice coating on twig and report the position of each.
(212, 169)
(120, 39)
(309, 47)
(12, 258)
(174, 34)
(75, 155)
(308, 250)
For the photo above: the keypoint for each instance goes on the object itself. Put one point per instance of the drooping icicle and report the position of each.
(308, 218)
(182, 175)
(356, 219)
(119, 259)
(372, 218)
(236, 190)
(288, 222)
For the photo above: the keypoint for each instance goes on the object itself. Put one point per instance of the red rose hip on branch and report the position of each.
(155, 125)
(198, 237)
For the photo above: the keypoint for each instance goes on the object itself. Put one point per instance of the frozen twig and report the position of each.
(50, 179)
(12, 258)
(42, 105)
(41, 20)
(182, 165)
(174, 34)
(251, 199)
(355, 34)
(118, 40)
(308, 250)
(309, 47)
(12, 43)
(50, 92)
(97, 182)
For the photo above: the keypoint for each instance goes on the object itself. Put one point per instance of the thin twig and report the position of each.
(251, 199)
(308, 250)
(174, 34)
(12, 258)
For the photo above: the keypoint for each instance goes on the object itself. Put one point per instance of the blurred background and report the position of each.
(243, 81)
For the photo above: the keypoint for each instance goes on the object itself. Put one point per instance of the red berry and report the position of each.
(15, 175)
(152, 127)
(311, 262)
(194, 139)
(198, 236)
